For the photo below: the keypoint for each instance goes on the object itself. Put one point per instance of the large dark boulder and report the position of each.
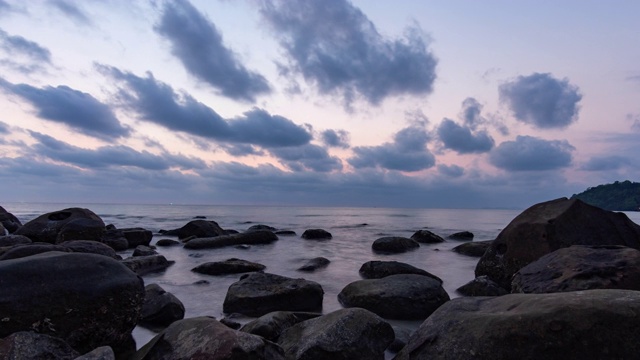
(481, 286)
(593, 324)
(142, 265)
(114, 238)
(160, 308)
(28, 345)
(315, 264)
(271, 325)
(206, 338)
(380, 269)
(229, 266)
(462, 236)
(257, 294)
(581, 267)
(394, 245)
(87, 300)
(473, 248)
(404, 296)
(316, 234)
(197, 228)
(47, 227)
(248, 238)
(20, 251)
(90, 247)
(426, 237)
(11, 240)
(550, 226)
(9, 221)
(137, 236)
(341, 335)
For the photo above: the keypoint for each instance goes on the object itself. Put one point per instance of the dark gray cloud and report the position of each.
(241, 149)
(307, 157)
(198, 44)
(529, 153)
(408, 152)
(335, 138)
(542, 100)
(606, 163)
(335, 47)
(470, 114)
(107, 156)
(157, 102)
(71, 10)
(78, 110)
(462, 140)
(4, 128)
(453, 170)
(23, 55)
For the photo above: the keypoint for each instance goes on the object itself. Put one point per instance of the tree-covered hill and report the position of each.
(619, 196)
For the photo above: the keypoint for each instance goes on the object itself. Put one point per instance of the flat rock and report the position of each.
(229, 266)
(394, 245)
(380, 269)
(251, 238)
(426, 237)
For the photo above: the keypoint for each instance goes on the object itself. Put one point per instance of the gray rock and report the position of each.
(229, 266)
(315, 264)
(147, 264)
(462, 235)
(30, 345)
(45, 228)
(10, 240)
(20, 251)
(250, 238)
(101, 353)
(90, 247)
(592, 324)
(143, 250)
(257, 294)
(481, 286)
(197, 228)
(114, 238)
(271, 325)
(9, 221)
(380, 269)
(394, 245)
(344, 334)
(473, 248)
(401, 338)
(285, 233)
(260, 227)
(167, 242)
(82, 228)
(137, 236)
(405, 296)
(426, 237)
(316, 234)
(160, 308)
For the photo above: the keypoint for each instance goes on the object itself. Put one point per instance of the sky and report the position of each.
(406, 103)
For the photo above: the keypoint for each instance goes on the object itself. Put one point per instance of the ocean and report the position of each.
(353, 230)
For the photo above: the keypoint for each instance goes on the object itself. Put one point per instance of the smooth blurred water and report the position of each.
(353, 229)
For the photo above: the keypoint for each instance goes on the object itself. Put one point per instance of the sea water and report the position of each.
(353, 230)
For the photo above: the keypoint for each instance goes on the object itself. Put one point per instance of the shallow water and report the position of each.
(353, 230)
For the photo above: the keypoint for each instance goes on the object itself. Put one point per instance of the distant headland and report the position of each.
(619, 196)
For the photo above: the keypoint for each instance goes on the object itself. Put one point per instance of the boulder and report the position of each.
(341, 335)
(81, 229)
(167, 242)
(229, 266)
(462, 235)
(146, 264)
(206, 338)
(426, 237)
(257, 294)
(481, 286)
(87, 300)
(259, 227)
(90, 247)
(160, 308)
(101, 353)
(114, 238)
(271, 325)
(316, 234)
(250, 238)
(315, 264)
(581, 267)
(550, 226)
(10, 240)
(137, 236)
(285, 233)
(394, 245)
(20, 251)
(593, 324)
(473, 248)
(143, 250)
(9, 221)
(47, 227)
(404, 296)
(197, 228)
(30, 345)
(380, 269)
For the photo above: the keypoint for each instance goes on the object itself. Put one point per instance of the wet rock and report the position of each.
(315, 264)
(426, 237)
(11, 240)
(137, 236)
(87, 300)
(160, 308)
(271, 325)
(473, 248)
(229, 266)
(316, 234)
(146, 264)
(581, 267)
(285, 233)
(462, 236)
(142, 250)
(9, 221)
(394, 245)
(167, 242)
(250, 238)
(114, 238)
(405, 296)
(260, 227)
(20, 251)
(197, 228)
(30, 345)
(481, 286)
(47, 227)
(593, 324)
(380, 269)
(90, 247)
(206, 338)
(343, 334)
(257, 294)
(549, 226)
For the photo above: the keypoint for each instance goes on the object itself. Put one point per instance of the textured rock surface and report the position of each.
(26, 345)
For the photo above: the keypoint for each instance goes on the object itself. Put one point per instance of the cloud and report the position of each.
(72, 11)
(157, 102)
(335, 47)
(453, 170)
(107, 156)
(529, 153)
(4, 128)
(23, 55)
(241, 149)
(470, 114)
(307, 157)
(542, 100)
(335, 138)
(462, 140)
(198, 44)
(408, 152)
(78, 110)
(605, 163)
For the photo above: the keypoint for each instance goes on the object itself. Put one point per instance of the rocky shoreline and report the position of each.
(558, 268)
